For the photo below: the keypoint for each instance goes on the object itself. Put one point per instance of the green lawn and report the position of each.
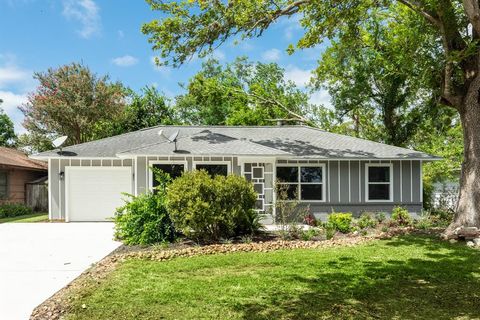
(403, 278)
(35, 217)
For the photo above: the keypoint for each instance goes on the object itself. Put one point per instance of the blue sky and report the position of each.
(105, 35)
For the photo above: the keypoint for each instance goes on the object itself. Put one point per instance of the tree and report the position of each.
(240, 93)
(72, 101)
(7, 133)
(375, 75)
(190, 27)
(148, 108)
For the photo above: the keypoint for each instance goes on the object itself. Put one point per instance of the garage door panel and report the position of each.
(93, 194)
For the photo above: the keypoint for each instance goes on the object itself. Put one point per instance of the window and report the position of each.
(379, 182)
(175, 170)
(213, 169)
(3, 185)
(302, 182)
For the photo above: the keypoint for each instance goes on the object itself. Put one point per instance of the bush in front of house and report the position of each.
(401, 216)
(366, 221)
(144, 219)
(341, 221)
(209, 209)
(14, 210)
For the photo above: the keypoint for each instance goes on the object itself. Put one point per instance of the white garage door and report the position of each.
(93, 193)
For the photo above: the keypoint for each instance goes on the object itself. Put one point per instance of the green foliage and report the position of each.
(380, 216)
(71, 100)
(341, 221)
(145, 219)
(7, 134)
(240, 93)
(208, 209)
(148, 109)
(14, 210)
(366, 221)
(401, 216)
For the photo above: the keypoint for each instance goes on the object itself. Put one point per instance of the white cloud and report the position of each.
(272, 55)
(299, 76)
(11, 102)
(321, 97)
(291, 26)
(125, 61)
(120, 34)
(87, 13)
(11, 74)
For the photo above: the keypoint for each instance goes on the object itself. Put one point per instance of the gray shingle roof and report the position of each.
(285, 141)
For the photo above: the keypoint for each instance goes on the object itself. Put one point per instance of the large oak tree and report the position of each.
(198, 27)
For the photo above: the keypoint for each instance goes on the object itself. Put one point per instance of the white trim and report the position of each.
(149, 163)
(339, 179)
(411, 181)
(50, 195)
(421, 181)
(60, 188)
(67, 181)
(134, 166)
(368, 165)
(349, 183)
(328, 178)
(401, 181)
(359, 181)
(299, 183)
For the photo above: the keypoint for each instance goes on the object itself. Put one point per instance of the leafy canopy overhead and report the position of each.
(240, 93)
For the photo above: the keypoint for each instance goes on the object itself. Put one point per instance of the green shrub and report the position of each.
(341, 221)
(14, 210)
(424, 223)
(366, 221)
(381, 217)
(401, 216)
(329, 230)
(208, 209)
(144, 219)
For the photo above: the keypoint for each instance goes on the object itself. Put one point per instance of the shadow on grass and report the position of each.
(443, 284)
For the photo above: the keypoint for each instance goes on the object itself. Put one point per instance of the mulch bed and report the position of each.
(56, 306)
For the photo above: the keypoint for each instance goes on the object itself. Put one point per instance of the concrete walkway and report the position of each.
(38, 259)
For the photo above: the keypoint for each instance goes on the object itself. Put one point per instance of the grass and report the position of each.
(35, 217)
(402, 278)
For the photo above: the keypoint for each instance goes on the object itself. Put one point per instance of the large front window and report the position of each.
(174, 170)
(379, 182)
(301, 182)
(213, 169)
(3, 185)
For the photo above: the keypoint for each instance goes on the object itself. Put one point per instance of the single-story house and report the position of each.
(16, 171)
(327, 171)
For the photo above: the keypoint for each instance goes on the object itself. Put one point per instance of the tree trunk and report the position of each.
(468, 206)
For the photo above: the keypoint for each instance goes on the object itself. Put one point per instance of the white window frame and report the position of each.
(228, 163)
(299, 183)
(390, 183)
(152, 162)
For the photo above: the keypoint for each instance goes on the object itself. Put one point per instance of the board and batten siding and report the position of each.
(344, 181)
(346, 186)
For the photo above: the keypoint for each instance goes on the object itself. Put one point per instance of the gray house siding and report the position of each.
(344, 181)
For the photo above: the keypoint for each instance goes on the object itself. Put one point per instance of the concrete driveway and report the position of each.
(38, 259)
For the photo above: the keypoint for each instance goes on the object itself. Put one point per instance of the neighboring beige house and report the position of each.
(16, 171)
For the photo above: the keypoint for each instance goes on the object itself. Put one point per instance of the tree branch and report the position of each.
(419, 8)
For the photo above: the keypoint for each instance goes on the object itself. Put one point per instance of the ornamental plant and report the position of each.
(144, 219)
(341, 221)
(208, 209)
